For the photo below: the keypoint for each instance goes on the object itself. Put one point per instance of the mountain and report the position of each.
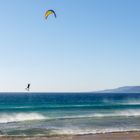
(126, 89)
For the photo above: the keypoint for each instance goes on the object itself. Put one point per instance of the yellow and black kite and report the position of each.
(50, 12)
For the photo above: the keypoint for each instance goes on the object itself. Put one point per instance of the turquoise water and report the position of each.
(58, 114)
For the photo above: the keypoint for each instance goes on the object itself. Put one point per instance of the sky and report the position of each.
(91, 45)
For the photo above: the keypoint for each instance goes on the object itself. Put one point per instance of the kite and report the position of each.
(50, 12)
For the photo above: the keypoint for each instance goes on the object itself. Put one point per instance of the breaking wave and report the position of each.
(19, 117)
(125, 113)
(78, 131)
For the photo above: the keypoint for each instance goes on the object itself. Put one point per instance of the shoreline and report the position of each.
(128, 135)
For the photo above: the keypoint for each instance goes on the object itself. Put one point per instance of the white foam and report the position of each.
(18, 117)
(131, 102)
(125, 113)
(129, 113)
(78, 131)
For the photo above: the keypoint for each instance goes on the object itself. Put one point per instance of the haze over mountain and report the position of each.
(125, 89)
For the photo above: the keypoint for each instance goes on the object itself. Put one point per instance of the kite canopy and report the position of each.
(50, 12)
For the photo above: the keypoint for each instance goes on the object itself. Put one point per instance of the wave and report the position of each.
(126, 113)
(78, 131)
(19, 117)
(131, 103)
(104, 103)
(61, 131)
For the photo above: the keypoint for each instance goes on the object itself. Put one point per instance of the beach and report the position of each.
(107, 136)
(69, 70)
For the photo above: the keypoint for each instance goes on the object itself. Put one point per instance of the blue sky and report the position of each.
(92, 45)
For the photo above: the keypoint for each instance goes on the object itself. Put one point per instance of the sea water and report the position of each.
(68, 113)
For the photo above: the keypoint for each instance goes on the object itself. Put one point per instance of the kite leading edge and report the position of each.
(50, 12)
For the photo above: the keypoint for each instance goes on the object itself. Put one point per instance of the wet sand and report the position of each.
(108, 136)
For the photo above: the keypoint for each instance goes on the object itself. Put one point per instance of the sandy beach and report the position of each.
(107, 136)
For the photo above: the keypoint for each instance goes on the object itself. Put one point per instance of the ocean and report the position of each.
(49, 114)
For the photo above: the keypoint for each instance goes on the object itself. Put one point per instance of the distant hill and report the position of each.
(126, 89)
